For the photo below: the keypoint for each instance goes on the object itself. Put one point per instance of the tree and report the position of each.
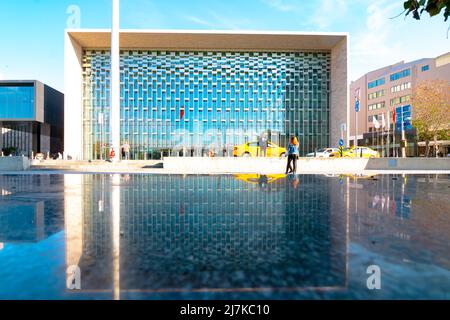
(433, 7)
(431, 110)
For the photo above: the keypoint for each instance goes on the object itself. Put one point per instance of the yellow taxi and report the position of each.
(251, 149)
(356, 152)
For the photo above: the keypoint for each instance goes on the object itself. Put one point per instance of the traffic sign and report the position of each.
(341, 143)
(357, 106)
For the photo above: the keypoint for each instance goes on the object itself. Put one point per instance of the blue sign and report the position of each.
(341, 143)
(403, 118)
(357, 106)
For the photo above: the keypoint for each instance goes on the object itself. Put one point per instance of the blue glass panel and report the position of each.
(376, 83)
(401, 74)
(17, 102)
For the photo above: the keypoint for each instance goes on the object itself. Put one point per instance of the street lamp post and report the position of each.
(115, 83)
(403, 137)
(356, 120)
(357, 98)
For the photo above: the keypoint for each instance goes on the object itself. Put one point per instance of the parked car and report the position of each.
(39, 156)
(251, 149)
(322, 153)
(356, 152)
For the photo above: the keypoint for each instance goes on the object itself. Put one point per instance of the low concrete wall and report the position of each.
(14, 163)
(96, 166)
(409, 164)
(260, 165)
(304, 165)
(224, 165)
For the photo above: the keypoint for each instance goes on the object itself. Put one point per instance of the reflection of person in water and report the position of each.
(294, 181)
(263, 181)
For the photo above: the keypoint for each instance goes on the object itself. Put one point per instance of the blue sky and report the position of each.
(32, 31)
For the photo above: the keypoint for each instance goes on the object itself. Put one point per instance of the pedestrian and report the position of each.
(263, 143)
(293, 155)
(126, 150)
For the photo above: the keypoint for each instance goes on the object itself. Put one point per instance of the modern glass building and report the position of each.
(31, 118)
(185, 93)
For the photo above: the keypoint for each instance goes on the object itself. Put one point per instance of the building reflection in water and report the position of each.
(151, 233)
(246, 233)
(404, 217)
(25, 218)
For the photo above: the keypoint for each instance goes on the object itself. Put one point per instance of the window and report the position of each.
(375, 117)
(376, 106)
(425, 68)
(376, 83)
(401, 87)
(400, 100)
(401, 74)
(376, 94)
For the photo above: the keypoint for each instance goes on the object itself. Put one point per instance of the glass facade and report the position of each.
(17, 102)
(190, 102)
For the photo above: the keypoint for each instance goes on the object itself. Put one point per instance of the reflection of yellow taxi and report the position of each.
(259, 178)
(356, 152)
(251, 149)
(360, 176)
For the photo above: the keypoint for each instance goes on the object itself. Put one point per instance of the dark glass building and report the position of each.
(31, 118)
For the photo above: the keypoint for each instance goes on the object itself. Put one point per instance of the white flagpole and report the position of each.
(377, 127)
(388, 134)
(115, 82)
(383, 128)
(394, 148)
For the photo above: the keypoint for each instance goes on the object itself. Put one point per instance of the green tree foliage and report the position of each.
(9, 151)
(431, 111)
(433, 7)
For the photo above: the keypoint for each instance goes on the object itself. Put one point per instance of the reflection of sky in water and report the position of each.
(243, 236)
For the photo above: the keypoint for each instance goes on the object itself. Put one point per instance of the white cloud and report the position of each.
(327, 11)
(280, 5)
(217, 21)
(319, 14)
(144, 14)
(378, 44)
(198, 21)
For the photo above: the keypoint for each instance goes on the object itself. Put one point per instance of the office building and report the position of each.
(389, 89)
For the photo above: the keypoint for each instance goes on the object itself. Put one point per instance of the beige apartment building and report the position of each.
(382, 91)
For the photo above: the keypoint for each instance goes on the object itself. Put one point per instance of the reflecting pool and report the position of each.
(224, 237)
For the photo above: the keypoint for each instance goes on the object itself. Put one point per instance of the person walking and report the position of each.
(126, 150)
(263, 144)
(293, 155)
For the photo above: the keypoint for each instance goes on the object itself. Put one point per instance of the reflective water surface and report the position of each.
(224, 237)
